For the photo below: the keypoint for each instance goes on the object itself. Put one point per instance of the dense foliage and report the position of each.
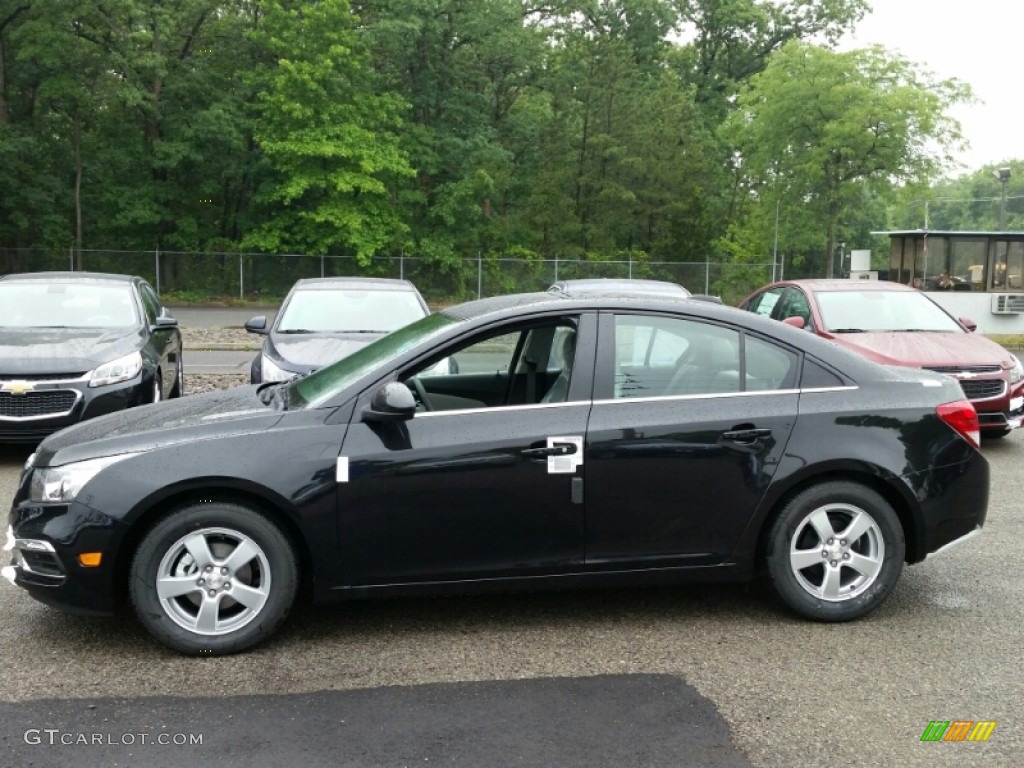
(669, 130)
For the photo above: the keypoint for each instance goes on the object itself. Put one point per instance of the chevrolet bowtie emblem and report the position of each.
(17, 387)
(965, 375)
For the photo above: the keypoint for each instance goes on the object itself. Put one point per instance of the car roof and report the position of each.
(362, 283)
(620, 284)
(82, 277)
(822, 285)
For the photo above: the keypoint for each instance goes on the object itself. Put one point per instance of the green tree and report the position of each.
(818, 127)
(329, 140)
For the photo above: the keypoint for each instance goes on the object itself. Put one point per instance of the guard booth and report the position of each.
(978, 275)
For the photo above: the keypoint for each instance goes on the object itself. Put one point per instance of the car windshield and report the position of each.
(352, 310)
(38, 304)
(882, 311)
(313, 390)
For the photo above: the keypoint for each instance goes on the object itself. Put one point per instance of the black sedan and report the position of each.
(74, 345)
(583, 441)
(323, 319)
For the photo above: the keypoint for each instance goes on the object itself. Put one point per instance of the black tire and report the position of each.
(179, 379)
(267, 574)
(157, 389)
(844, 577)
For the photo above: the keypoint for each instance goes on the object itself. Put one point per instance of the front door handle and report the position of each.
(558, 449)
(746, 436)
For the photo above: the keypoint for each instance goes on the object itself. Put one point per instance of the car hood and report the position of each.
(187, 419)
(64, 350)
(305, 351)
(926, 349)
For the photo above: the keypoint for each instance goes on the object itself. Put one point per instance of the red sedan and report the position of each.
(895, 324)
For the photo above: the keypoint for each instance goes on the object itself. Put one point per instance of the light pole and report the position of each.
(1002, 176)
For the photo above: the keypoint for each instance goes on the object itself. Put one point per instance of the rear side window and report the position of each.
(817, 376)
(671, 357)
(768, 366)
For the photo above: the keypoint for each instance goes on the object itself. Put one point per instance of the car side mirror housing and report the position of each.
(257, 324)
(969, 324)
(165, 321)
(796, 321)
(391, 402)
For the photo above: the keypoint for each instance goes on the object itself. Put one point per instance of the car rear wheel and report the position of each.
(213, 579)
(835, 551)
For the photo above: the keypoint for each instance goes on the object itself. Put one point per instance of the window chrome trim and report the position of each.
(621, 400)
(58, 415)
(503, 408)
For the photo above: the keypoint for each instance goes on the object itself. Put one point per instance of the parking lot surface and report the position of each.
(691, 675)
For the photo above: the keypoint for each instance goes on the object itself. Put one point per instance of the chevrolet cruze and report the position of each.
(582, 441)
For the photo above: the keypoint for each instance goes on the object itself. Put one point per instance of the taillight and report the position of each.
(962, 417)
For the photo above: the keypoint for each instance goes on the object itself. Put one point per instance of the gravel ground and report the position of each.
(222, 339)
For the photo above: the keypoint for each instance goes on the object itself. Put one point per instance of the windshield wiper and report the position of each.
(297, 330)
(361, 330)
(847, 330)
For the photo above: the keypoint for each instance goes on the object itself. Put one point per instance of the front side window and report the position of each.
(149, 302)
(795, 304)
(508, 367)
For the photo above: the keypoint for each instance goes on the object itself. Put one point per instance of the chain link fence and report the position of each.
(198, 277)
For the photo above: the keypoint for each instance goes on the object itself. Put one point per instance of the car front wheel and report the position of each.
(213, 579)
(835, 551)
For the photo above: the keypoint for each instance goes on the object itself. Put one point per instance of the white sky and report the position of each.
(975, 41)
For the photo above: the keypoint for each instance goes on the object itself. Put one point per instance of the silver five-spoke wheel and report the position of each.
(836, 552)
(213, 581)
(214, 577)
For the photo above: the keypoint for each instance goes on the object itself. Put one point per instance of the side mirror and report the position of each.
(165, 321)
(796, 321)
(969, 324)
(391, 402)
(257, 324)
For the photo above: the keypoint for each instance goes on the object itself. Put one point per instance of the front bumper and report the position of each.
(50, 406)
(43, 544)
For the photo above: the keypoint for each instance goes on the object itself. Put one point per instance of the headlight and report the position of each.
(1017, 372)
(62, 484)
(122, 369)
(272, 372)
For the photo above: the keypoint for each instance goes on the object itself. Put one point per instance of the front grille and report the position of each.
(41, 376)
(34, 405)
(981, 389)
(955, 369)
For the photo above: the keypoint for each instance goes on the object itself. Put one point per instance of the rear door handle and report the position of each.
(746, 435)
(558, 449)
